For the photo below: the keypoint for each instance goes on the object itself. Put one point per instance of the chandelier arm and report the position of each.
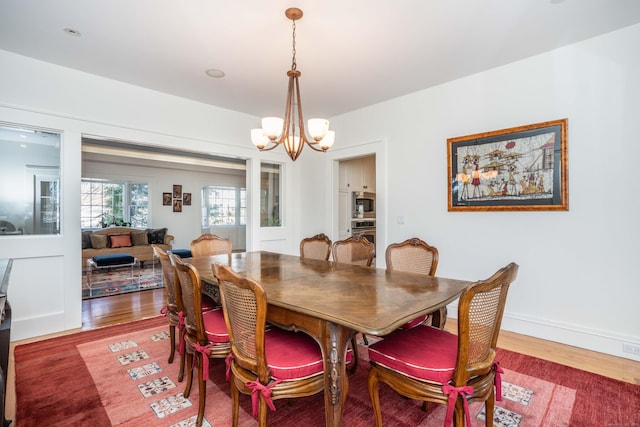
(302, 136)
(303, 133)
(267, 148)
(286, 124)
(312, 145)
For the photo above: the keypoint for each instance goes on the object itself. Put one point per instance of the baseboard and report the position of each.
(45, 324)
(569, 334)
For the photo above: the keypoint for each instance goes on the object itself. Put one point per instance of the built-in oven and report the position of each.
(363, 204)
(364, 228)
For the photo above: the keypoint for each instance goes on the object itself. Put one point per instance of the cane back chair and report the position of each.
(210, 244)
(206, 334)
(268, 363)
(171, 309)
(416, 256)
(316, 247)
(354, 250)
(433, 365)
(358, 251)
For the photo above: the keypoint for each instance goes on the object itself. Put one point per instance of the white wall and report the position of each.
(578, 282)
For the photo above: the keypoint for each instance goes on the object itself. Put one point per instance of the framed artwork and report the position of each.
(166, 199)
(177, 205)
(186, 199)
(517, 169)
(177, 191)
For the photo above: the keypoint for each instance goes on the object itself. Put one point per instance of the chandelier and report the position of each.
(290, 132)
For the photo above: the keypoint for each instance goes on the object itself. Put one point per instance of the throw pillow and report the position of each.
(120, 240)
(156, 236)
(139, 238)
(98, 241)
(86, 239)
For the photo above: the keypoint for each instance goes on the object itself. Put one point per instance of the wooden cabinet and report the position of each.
(358, 174)
(344, 214)
(368, 171)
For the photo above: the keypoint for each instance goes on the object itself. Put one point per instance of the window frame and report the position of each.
(109, 215)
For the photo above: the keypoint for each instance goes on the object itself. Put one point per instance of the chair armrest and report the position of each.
(168, 238)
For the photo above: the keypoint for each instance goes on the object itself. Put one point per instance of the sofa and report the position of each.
(120, 240)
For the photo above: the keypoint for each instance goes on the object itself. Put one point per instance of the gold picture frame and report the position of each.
(517, 169)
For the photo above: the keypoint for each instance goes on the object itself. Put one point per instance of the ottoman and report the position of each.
(182, 253)
(106, 262)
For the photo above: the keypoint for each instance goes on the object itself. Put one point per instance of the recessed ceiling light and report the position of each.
(215, 73)
(72, 32)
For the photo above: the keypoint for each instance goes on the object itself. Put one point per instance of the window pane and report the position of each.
(105, 203)
(270, 211)
(223, 206)
(30, 170)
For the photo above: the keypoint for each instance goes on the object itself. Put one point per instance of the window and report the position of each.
(106, 202)
(270, 211)
(30, 173)
(224, 206)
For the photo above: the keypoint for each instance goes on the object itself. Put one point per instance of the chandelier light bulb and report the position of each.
(328, 140)
(292, 144)
(272, 127)
(318, 128)
(258, 138)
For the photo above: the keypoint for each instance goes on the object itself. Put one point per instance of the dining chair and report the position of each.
(316, 247)
(266, 363)
(432, 365)
(359, 251)
(171, 308)
(416, 256)
(210, 244)
(206, 335)
(353, 250)
(174, 309)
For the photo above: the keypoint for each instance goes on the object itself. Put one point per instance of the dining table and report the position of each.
(333, 301)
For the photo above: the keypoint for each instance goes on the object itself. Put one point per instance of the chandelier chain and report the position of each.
(293, 59)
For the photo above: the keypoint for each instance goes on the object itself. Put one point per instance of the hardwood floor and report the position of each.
(100, 312)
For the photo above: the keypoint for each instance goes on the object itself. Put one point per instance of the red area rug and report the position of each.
(120, 376)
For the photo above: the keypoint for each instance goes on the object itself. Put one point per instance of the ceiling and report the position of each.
(351, 53)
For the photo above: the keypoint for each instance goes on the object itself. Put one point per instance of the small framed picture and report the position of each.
(166, 199)
(177, 205)
(177, 191)
(186, 199)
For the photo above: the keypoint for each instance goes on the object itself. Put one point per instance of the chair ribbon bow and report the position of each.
(205, 352)
(256, 387)
(453, 393)
(165, 310)
(498, 379)
(227, 364)
(181, 328)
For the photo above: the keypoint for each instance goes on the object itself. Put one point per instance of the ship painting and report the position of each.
(515, 169)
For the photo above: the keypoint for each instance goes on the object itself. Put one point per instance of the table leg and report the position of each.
(334, 342)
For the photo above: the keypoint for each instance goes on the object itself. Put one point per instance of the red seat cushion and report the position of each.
(208, 303)
(415, 322)
(214, 326)
(293, 355)
(423, 353)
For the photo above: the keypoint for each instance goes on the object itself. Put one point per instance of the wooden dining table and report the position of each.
(332, 301)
